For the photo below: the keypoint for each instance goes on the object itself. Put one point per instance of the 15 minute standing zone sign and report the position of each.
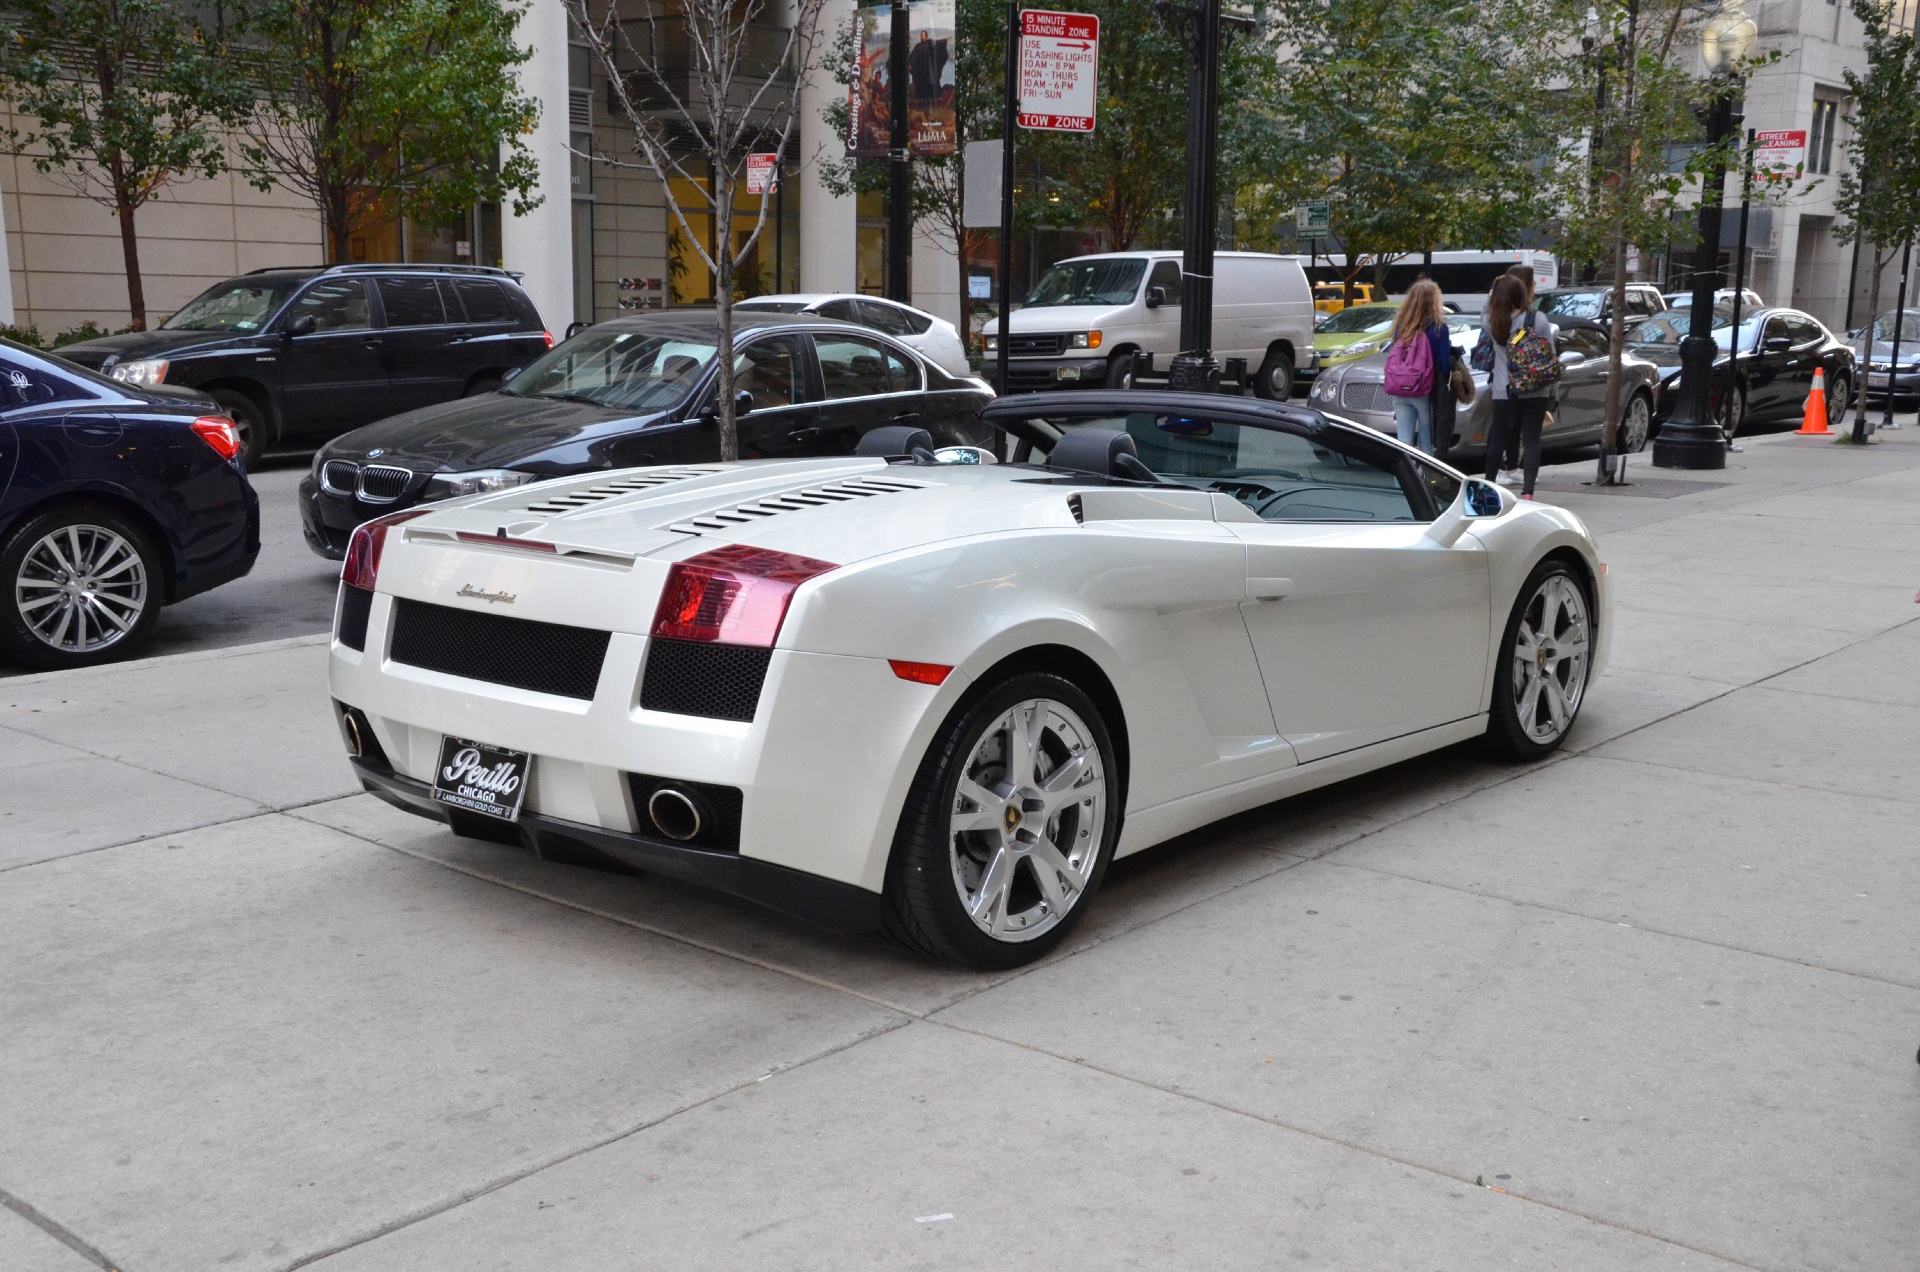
(1059, 64)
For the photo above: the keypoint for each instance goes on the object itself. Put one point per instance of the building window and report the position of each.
(1826, 118)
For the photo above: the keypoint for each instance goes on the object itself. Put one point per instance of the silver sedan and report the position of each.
(1357, 391)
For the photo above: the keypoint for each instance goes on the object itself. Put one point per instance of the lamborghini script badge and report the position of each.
(471, 592)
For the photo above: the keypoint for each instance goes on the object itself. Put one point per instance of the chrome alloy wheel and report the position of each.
(81, 588)
(1027, 819)
(1550, 651)
(1635, 427)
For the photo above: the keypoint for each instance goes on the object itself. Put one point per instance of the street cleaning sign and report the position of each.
(1778, 155)
(1059, 65)
(763, 173)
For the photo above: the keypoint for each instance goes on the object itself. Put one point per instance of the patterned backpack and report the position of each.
(1531, 364)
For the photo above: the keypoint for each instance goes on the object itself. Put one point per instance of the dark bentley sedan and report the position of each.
(1778, 350)
(114, 501)
(637, 391)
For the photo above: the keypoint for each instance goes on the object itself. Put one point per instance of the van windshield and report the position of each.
(1109, 281)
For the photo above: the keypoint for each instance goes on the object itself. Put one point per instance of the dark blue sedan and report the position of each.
(114, 501)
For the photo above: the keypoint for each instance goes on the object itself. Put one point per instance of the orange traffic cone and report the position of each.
(1814, 423)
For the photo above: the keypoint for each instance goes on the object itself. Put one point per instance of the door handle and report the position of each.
(373, 342)
(1269, 589)
(461, 337)
(806, 434)
(907, 417)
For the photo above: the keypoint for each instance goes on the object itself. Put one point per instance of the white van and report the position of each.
(1089, 319)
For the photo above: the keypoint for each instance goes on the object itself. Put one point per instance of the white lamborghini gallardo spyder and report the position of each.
(936, 694)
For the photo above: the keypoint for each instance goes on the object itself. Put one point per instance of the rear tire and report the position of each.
(81, 585)
(1008, 827)
(248, 422)
(1274, 380)
(1839, 398)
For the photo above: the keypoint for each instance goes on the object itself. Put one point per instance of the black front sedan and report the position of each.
(638, 391)
(1779, 350)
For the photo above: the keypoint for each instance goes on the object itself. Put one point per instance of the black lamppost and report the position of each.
(1193, 368)
(1691, 438)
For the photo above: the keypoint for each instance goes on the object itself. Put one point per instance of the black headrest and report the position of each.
(893, 440)
(1092, 450)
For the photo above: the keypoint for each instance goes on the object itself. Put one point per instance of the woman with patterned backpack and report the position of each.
(1419, 364)
(1517, 350)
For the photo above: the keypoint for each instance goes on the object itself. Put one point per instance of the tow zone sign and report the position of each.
(1059, 67)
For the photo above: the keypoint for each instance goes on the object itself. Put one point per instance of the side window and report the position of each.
(337, 304)
(24, 383)
(1776, 328)
(883, 317)
(412, 302)
(1804, 330)
(851, 367)
(1584, 340)
(841, 310)
(1442, 487)
(774, 370)
(1166, 274)
(484, 300)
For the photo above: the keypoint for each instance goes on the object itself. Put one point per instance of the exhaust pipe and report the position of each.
(678, 814)
(350, 730)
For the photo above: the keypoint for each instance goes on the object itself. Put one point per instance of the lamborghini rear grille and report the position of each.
(688, 677)
(542, 657)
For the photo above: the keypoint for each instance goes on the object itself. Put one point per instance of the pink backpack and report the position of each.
(1410, 368)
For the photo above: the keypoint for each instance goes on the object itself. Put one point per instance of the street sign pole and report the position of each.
(1194, 368)
(1740, 267)
(900, 188)
(1008, 109)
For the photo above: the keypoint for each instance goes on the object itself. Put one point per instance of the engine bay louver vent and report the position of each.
(1075, 507)
(838, 492)
(614, 489)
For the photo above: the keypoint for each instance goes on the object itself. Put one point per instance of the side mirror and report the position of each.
(300, 325)
(507, 376)
(1572, 356)
(1476, 499)
(1483, 499)
(742, 401)
(1156, 297)
(1777, 344)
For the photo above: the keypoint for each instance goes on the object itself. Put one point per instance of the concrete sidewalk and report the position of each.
(1652, 1004)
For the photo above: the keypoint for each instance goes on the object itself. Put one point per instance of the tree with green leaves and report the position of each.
(1419, 121)
(392, 107)
(1880, 187)
(124, 96)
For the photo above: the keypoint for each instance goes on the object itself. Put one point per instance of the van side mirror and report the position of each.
(300, 325)
(1156, 297)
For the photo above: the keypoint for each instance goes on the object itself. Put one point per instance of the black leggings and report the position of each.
(1523, 416)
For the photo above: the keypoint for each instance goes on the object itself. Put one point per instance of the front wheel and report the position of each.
(82, 587)
(1274, 380)
(1119, 371)
(1008, 826)
(1545, 653)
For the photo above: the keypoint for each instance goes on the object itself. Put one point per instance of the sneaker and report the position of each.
(1527, 497)
(1736, 450)
(1505, 479)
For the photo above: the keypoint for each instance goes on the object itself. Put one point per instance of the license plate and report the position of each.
(488, 780)
(1068, 373)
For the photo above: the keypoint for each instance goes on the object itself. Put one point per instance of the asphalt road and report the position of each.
(1651, 1004)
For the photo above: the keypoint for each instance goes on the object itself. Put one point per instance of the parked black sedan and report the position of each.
(1779, 350)
(635, 391)
(114, 501)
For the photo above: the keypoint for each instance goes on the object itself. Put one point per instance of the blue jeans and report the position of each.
(1413, 421)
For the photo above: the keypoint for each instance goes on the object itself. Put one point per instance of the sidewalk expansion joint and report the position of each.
(262, 810)
(58, 1231)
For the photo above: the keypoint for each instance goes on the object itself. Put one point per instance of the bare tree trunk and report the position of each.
(723, 304)
(1866, 343)
(129, 248)
(1616, 339)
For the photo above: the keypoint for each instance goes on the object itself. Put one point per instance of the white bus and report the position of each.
(1464, 277)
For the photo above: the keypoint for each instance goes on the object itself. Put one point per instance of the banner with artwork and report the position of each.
(930, 112)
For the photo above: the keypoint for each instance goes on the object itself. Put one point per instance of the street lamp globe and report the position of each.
(1728, 38)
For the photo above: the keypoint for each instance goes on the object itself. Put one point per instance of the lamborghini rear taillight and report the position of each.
(734, 595)
(362, 565)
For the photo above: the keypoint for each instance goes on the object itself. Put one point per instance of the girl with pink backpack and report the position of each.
(1419, 362)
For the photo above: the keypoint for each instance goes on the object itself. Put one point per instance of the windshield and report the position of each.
(627, 369)
(1572, 304)
(1281, 476)
(773, 306)
(1909, 326)
(1111, 281)
(1360, 319)
(241, 305)
(1666, 331)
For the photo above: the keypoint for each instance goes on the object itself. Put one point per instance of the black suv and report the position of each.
(300, 355)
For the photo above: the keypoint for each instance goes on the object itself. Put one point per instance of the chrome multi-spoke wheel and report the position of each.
(1544, 662)
(1009, 824)
(1027, 821)
(82, 585)
(81, 588)
(1637, 423)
